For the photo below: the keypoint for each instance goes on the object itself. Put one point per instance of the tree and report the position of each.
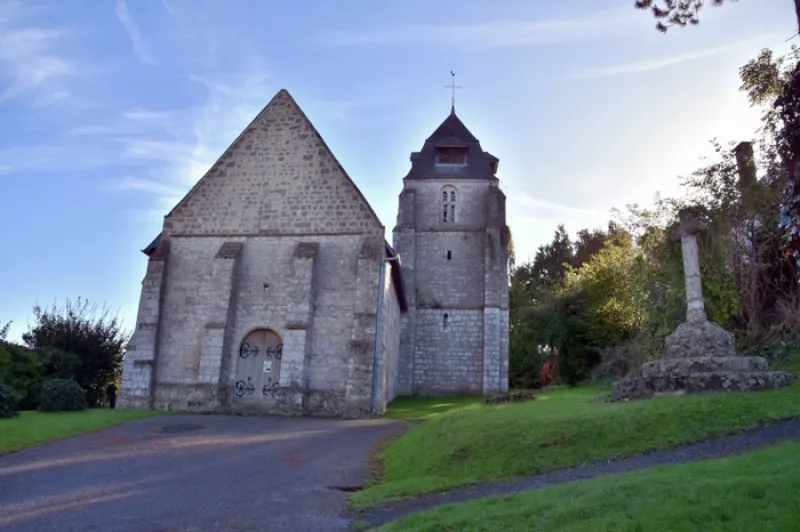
(589, 243)
(761, 78)
(764, 77)
(681, 13)
(96, 339)
(551, 261)
(775, 83)
(670, 13)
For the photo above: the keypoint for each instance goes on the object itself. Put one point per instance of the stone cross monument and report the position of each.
(686, 233)
(700, 356)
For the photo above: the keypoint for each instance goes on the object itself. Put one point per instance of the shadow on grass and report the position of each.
(416, 408)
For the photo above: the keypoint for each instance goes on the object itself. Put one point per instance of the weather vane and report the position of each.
(453, 88)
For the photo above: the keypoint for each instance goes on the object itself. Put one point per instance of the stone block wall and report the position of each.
(324, 354)
(140, 356)
(405, 239)
(454, 282)
(448, 359)
(470, 204)
(389, 343)
(278, 177)
(459, 269)
(405, 363)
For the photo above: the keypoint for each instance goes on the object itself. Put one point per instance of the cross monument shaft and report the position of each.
(687, 233)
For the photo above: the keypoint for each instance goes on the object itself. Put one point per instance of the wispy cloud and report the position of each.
(140, 47)
(54, 158)
(658, 64)
(30, 60)
(168, 8)
(167, 195)
(52, 98)
(175, 148)
(532, 206)
(487, 34)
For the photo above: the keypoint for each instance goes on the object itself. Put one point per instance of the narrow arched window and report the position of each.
(449, 205)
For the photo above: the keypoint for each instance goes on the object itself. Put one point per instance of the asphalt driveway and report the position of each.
(191, 473)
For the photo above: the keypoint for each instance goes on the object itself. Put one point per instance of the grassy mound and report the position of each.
(756, 491)
(560, 429)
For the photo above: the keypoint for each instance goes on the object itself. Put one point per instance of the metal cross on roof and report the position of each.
(453, 87)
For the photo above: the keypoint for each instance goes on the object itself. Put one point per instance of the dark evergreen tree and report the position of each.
(95, 338)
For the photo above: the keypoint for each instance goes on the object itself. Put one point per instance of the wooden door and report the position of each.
(258, 368)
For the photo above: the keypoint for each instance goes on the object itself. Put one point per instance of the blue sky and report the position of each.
(112, 109)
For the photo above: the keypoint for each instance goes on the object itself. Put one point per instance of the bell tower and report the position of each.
(452, 238)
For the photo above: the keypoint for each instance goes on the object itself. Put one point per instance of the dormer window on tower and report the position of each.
(451, 156)
(449, 204)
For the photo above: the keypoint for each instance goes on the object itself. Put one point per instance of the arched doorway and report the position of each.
(258, 368)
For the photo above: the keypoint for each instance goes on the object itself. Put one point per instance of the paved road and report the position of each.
(191, 473)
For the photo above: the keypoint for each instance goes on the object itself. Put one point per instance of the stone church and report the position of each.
(271, 288)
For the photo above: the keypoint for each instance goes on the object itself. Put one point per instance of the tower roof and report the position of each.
(452, 127)
(453, 136)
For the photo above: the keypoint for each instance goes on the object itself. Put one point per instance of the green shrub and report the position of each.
(23, 369)
(62, 395)
(8, 401)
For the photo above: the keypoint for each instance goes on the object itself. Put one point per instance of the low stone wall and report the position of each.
(510, 398)
(678, 383)
(284, 401)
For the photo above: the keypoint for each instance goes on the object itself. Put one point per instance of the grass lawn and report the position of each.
(559, 429)
(756, 491)
(33, 428)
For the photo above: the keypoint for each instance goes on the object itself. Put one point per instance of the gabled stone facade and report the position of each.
(452, 236)
(270, 288)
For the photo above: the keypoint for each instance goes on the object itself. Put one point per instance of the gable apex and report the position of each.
(263, 121)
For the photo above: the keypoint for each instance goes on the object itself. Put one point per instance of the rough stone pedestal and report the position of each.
(700, 357)
(699, 339)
